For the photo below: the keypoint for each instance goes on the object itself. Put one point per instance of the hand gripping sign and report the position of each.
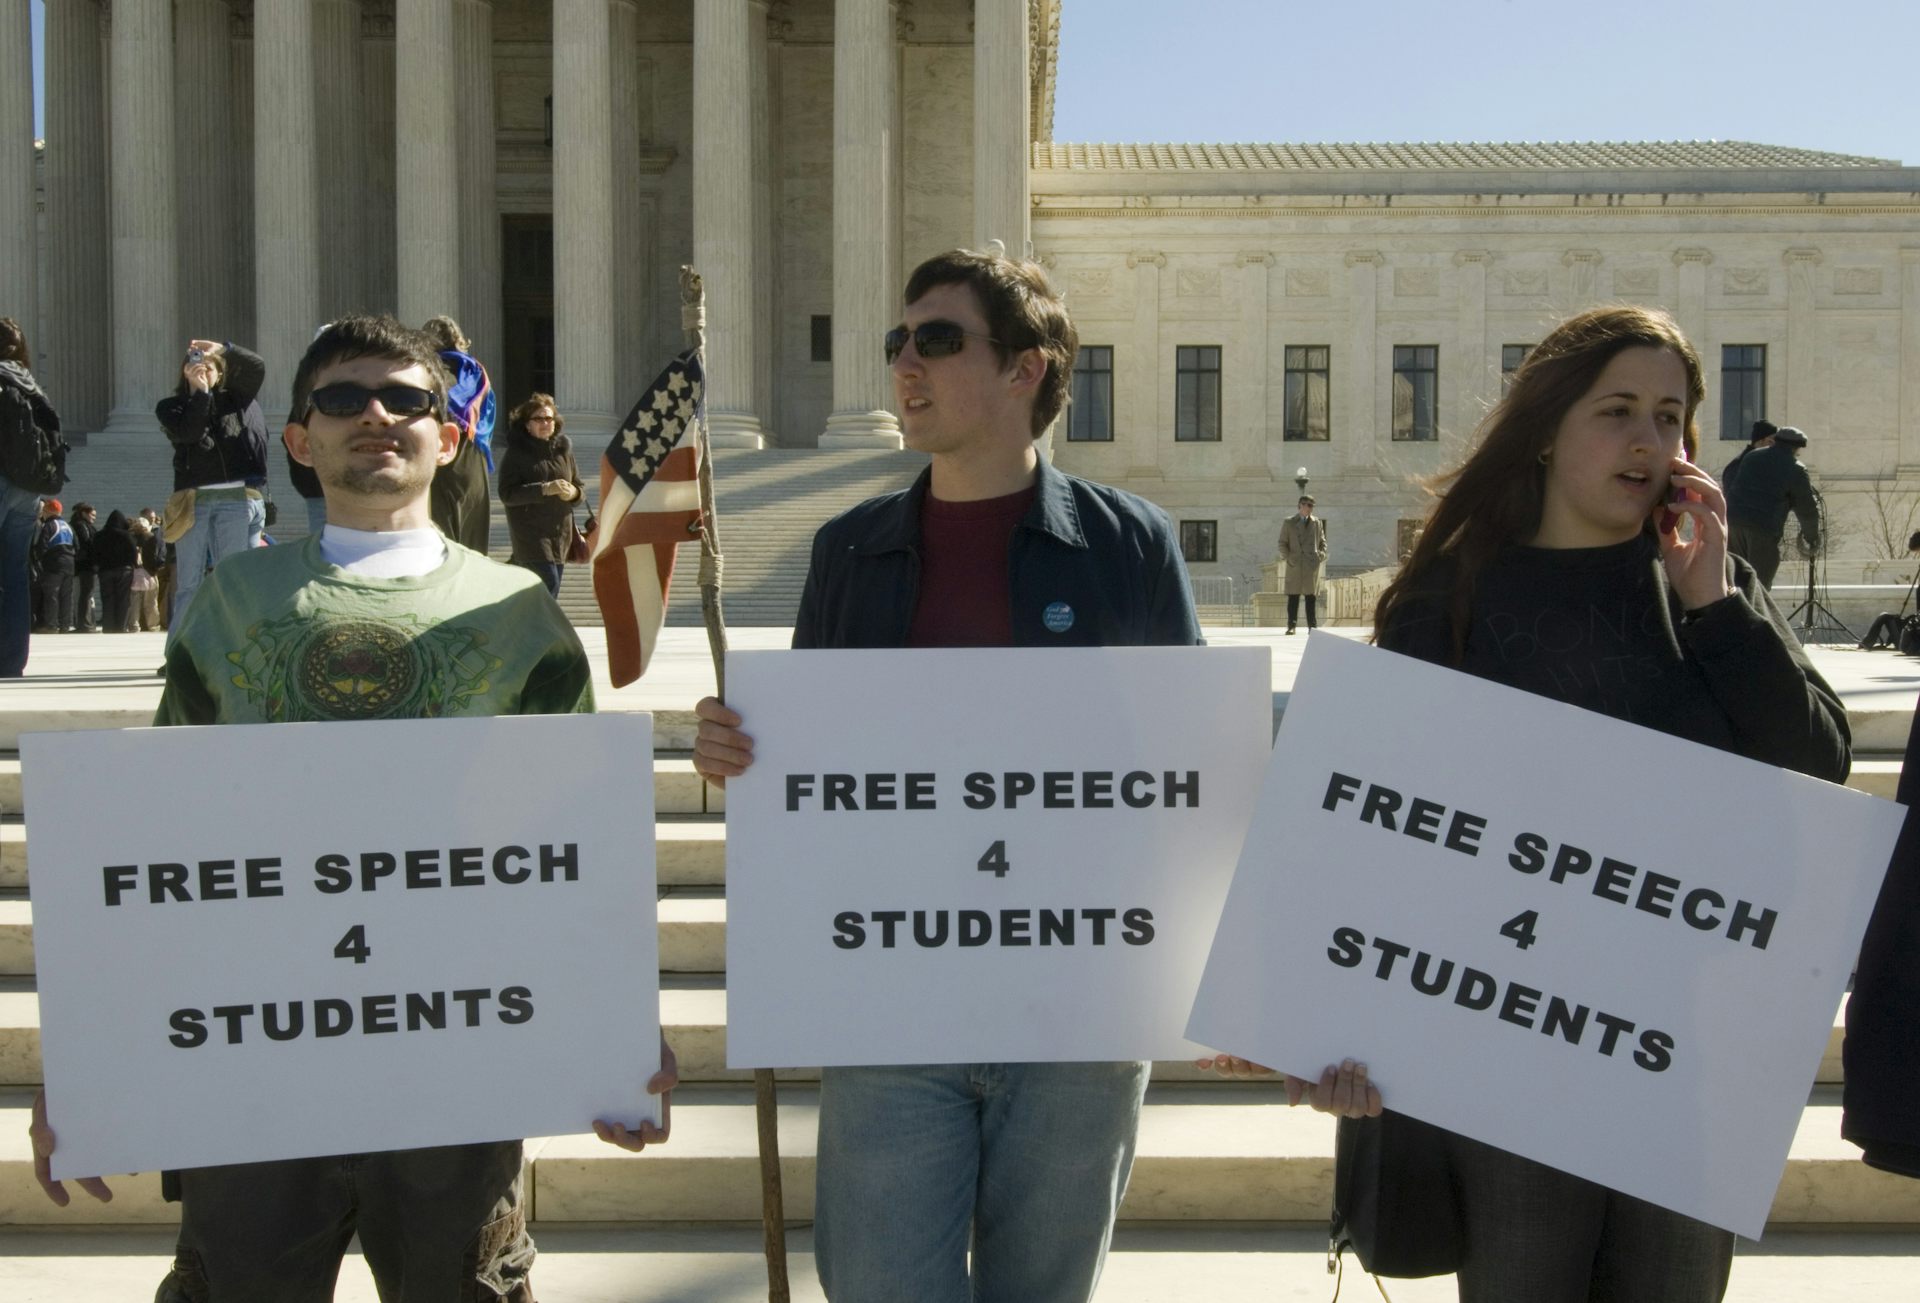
(308, 939)
(982, 855)
(1602, 947)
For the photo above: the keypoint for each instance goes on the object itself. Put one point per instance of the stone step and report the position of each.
(677, 789)
(689, 849)
(1147, 1264)
(1875, 775)
(1207, 1154)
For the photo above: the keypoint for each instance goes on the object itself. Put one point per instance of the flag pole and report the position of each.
(773, 1223)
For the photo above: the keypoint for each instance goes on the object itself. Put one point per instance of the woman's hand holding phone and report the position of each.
(1697, 566)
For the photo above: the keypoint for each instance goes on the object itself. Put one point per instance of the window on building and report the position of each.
(1308, 392)
(1090, 414)
(1199, 540)
(1416, 391)
(1406, 535)
(822, 327)
(1196, 393)
(1743, 388)
(1511, 357)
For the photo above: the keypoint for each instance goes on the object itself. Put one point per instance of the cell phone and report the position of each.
(1669, 518)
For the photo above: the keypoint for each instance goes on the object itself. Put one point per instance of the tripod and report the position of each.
(1818, 618)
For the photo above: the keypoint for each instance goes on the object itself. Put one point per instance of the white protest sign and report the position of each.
(1595, 945)
(983, 855)
(304, 939)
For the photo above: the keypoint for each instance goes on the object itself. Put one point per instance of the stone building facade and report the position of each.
(540, 169)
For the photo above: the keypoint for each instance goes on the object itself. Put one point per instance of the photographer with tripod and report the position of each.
(1771, 482)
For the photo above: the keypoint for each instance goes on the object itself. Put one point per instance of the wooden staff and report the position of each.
(773, 1223)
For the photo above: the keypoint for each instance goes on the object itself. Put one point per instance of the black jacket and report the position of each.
(114, 547)
(84, 534)
(1769, 483)
(220, 436)
(537, 521)
(1090, 566)
(1882, 1052)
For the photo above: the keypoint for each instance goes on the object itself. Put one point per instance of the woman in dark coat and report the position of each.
(539, 484)
(116, 553)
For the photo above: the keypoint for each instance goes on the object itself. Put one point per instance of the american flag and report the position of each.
(649, 504)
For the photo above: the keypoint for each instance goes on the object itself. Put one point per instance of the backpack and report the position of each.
(31, 457)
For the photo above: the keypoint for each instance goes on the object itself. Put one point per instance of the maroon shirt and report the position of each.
(966, 598)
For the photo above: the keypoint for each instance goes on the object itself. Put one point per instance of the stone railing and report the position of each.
(1348, 599)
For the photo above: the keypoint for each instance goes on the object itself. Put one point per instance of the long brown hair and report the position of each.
(13, 343)
(1497, 495)
(517, 418)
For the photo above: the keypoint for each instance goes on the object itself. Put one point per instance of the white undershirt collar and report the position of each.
(392, 554)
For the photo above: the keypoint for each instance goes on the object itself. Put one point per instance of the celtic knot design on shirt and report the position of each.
(301, 669)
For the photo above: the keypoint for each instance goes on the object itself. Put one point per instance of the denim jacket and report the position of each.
(1091, 566)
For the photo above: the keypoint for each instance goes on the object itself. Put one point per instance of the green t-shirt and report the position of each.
(276, 635)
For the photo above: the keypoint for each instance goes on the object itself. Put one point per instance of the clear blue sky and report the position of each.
(1835, 75)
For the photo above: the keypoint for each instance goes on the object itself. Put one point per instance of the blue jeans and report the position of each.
(1025, 1162)
(221, 527)
(549, 572)
(19, 513)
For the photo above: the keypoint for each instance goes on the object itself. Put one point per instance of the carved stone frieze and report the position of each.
(1636, 280)
(1857, 280)
(1470, 257)
(1573, 256)
(1745, 280)
(1307, 283)
(1197, 283)
(1524, 281)
(1792, 256)
(1090, 283)
(1355, 257)
(1683, 256)
(1146, 257)
(1416, 282)
(1255, 260)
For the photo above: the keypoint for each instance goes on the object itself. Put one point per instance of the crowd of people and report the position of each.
(1582, 493)
(64, 571)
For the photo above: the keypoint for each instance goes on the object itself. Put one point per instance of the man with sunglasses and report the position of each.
(377, 616)
(1024, 1163)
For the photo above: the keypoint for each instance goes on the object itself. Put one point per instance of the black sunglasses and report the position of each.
(346, 399)
(931, 339)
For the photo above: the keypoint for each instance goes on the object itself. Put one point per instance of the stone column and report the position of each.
(380, 274)
(147, 344)
(340, 110)
(1581, 265)
(1690, 306)
(1362, 432)
(210, 287)
(72, 358)
(426, 151)
(1910, 361)
(479, 202)
(1806, 396)
(1477, 372)
(286, 216)
(633, 303)
(583, 214)
(723, 188)
(1252, 386)
(19, 261)
(865, 72)
(764, 322)
(240, 121)
(1137, 418)
(1002, 86)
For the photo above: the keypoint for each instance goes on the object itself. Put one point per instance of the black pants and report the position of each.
(116, 596)
(1759, 545)
(84, 583)
(56, 599)
(1293, 610)
(442, 1223)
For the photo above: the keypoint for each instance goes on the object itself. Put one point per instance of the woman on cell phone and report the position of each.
(1581, 555)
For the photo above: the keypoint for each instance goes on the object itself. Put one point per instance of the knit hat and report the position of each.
(55, 504)
(1762, 429)
(1791, 437)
